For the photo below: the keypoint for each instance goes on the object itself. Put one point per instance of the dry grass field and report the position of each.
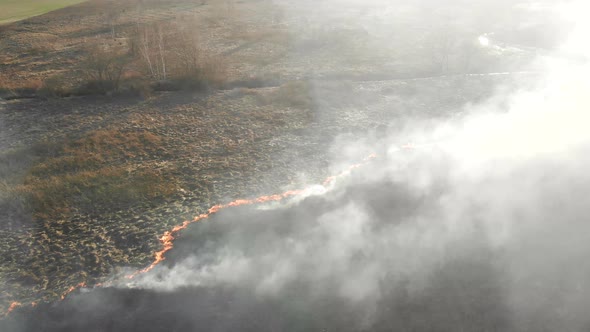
(119, 119)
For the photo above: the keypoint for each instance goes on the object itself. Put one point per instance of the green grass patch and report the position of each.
(16, 10)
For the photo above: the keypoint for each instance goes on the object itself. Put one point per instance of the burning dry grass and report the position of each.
(99, 200)
(47, 187)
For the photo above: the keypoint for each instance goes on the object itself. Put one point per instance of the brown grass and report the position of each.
(56, 86)
(83, 175)
(88, 190)
(42, 47)
(209, 73)
(97, 149)
(270, 35)
(196, 55)
(16, 89)
(295, 94)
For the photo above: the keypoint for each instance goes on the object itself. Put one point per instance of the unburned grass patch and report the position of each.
(89, 191)
(14, 167)
(296, 94)
(21, 89)
(98, 149)
(98, 171)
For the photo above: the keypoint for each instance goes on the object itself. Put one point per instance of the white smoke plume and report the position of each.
(500, 195)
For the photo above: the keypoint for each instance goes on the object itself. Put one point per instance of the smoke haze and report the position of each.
(476, 221)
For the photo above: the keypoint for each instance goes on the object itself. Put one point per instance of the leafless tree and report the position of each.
(170, 50)
(103, 67)
(151, 42)
(112, 16)
(160, 34)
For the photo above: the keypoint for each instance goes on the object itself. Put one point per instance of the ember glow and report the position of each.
(167, 239)
(71, 289)
(13, 306)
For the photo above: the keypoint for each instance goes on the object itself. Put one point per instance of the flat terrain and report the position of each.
(15, 10)
(91, 181)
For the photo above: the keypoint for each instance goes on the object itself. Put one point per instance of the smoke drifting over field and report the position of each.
(482, 225)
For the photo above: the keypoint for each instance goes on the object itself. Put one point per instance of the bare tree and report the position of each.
(151, 42)
(442, 45)
(161, 49)
(103, 68)
(143, 41)
(112, 16)
(171, 50)
(186, 48)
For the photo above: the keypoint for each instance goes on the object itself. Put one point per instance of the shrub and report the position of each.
(55, 86)
(102, 69)
(171, 55)
(135, 87)
(209, 73)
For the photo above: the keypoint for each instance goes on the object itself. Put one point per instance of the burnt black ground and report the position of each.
(464, 292)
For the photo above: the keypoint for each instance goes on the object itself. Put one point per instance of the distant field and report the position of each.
(15, 10)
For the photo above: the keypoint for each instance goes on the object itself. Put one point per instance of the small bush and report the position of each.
(96, 87)
(135, 87)
(55, 86)
(171, 55)
(102, 70)
(167, 85)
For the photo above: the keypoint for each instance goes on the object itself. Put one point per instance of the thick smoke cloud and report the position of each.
(488, 217)
(480, 225)
(365, 256)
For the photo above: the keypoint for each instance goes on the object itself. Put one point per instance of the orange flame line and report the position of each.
(167, 239)
(12, 306)
(33, 304)
(71, 289)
